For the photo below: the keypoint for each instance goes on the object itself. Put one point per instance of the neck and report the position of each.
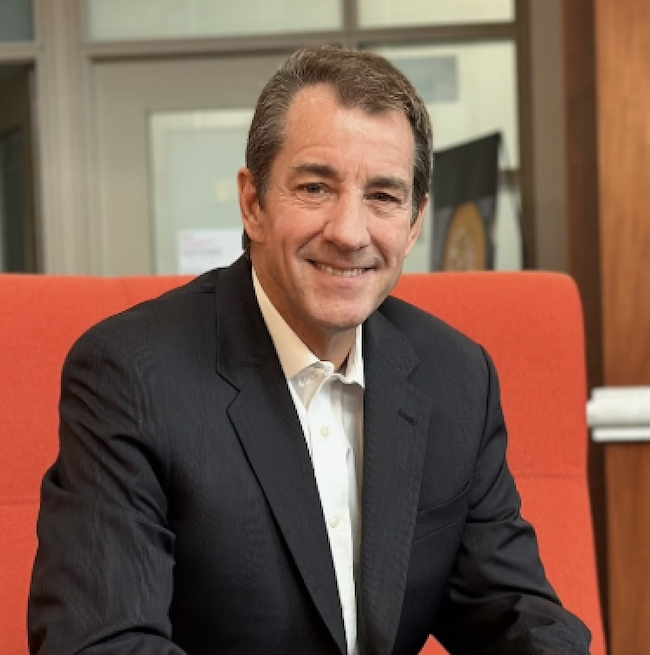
(332, 348)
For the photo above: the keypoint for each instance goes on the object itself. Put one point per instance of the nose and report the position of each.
(347, 224)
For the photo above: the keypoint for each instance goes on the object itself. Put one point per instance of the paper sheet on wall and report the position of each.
(201, 250)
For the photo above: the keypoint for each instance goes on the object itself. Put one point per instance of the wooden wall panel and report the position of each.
(623, 59)
(623, 80)
(628, 489)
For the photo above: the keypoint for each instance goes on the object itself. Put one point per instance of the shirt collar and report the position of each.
(294, 355)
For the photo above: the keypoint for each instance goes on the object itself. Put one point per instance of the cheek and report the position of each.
(392, 242)
(297, 227)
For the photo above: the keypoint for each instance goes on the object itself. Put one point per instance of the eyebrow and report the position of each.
(390, 182)
(329, 172)
(322, 170)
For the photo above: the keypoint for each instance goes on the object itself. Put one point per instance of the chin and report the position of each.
(341, 321)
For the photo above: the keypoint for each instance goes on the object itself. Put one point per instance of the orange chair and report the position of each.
(531, 323)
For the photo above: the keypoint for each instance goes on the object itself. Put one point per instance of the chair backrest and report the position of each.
(531, 323)
(40, 318)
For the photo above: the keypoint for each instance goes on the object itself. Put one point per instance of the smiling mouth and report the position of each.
(339, 272)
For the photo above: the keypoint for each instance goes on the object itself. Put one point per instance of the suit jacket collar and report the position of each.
(395, 421)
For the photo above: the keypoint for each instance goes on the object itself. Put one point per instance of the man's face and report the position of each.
(329, 243)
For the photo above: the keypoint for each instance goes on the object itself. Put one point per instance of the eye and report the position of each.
(312, 188)
(383, 197)
(314, 193)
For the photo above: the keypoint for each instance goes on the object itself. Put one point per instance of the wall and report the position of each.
(623, 80)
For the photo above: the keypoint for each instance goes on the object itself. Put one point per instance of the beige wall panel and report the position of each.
(549, 165)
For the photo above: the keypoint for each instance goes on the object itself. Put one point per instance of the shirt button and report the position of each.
(325, 431)
(334, 521)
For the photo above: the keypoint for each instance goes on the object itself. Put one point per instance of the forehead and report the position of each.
(318, 124)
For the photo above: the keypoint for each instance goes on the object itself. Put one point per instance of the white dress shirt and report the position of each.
(330, 407)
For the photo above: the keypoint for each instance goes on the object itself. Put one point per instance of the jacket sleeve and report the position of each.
(102, 580)
(498, 600)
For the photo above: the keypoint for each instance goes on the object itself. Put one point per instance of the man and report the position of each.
(277, 458)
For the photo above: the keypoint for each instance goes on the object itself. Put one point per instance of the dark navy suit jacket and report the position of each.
(182, 514)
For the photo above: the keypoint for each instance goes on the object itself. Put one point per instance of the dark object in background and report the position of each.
(465, 187)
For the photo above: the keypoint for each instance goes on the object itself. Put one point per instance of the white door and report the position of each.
(169, 137)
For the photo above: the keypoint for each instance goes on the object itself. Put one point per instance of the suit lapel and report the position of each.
(265, 419)
(396, 417)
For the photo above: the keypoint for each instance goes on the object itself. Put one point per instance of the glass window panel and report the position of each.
(399, 13)
(508, 237)
(196, 155)
(470, 90)
(419, 259)
(123, 20)
(16, 20)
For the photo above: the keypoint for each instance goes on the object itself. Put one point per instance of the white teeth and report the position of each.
(340, 272)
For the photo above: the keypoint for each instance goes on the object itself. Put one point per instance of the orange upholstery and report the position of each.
(531, 323)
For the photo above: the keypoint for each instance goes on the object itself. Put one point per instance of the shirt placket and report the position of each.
(330, 457)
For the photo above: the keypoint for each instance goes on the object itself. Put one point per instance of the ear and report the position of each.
(416, 226)
(249, 205)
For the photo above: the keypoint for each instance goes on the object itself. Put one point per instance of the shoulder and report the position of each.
(444, 356)
(425, 331)
(179, 315)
